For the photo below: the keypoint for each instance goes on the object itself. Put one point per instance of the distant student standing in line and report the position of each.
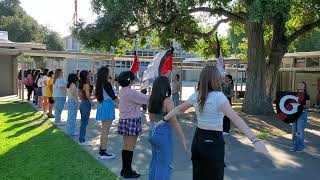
(227, 89)
(105, 109)
(59, 94)
(49, 86)
(72, 104)
(85, 105)
(39, 90)
(176, 88)
(43, 80)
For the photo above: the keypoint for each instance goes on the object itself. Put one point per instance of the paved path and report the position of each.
(242, 162)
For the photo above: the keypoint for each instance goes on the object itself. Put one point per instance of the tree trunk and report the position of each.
(278, 48)
(272, 72)
(255, 98)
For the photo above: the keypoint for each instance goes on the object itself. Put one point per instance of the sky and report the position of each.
(57, 14)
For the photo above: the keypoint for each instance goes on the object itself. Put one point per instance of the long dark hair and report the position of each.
(35, 74)
(210, 80)
(102, 83)
(72, 78)
(305, 87)
(83, 78)
(125, 78)
(160, 91)
(50, 74)
(45, 72)
(38, 77)
(230, 77)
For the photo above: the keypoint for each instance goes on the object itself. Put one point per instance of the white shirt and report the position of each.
(211, 118)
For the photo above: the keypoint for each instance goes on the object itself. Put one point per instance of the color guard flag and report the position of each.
(160, 66)
(135, 65)
(289, 106)
(220, 63)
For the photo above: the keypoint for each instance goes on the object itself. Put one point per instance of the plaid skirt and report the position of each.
(130, 127)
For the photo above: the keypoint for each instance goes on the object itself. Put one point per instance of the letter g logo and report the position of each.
(294, 105)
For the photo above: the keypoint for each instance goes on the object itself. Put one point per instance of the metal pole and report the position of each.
(293, 80)
(22, 76)
(112, 67)
(237, 75)
(181, 79)
(241, 82)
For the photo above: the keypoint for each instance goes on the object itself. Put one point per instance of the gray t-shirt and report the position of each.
(175, 87)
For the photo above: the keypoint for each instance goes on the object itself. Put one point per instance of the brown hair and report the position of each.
(210, 80)
(57, 74)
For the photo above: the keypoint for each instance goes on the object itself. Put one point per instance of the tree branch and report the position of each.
(214, 29)
(304, 29)
(239, 17)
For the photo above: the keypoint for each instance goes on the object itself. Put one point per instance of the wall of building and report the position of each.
(7, 74)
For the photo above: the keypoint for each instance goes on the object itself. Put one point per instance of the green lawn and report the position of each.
(32, 148)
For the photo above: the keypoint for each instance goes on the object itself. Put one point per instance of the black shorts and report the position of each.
(51, 100)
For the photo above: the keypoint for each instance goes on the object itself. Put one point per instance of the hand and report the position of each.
(184, 143)
(261, 148)
(159, 123)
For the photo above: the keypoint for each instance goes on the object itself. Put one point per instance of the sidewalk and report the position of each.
(242, 162)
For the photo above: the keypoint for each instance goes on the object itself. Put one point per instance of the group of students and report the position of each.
(211, 101)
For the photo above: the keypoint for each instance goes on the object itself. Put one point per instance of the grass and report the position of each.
(32, 148)
(264, 135)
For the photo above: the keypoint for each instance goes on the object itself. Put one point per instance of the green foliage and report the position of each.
(169, 21)
(308, 42)
(23, 28)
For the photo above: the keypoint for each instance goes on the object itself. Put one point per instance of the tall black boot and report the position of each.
(127, 171)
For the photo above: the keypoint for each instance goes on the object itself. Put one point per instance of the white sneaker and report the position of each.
(60, 124)
(225, 133)
(84, 143)
(75, 134)
(105, 156)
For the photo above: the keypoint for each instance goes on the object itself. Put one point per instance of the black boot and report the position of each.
(127, 171)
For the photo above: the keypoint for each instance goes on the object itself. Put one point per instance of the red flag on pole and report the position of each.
(135, 65)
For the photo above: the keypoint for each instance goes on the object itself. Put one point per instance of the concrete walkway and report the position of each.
(242, 162)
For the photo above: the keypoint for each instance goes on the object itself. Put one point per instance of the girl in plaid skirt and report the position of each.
(130, 120)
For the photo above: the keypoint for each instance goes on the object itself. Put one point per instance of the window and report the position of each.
(299, 62)
(139, 53)
(313, 62)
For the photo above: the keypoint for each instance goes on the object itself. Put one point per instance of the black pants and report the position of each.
(207, 155)
(226, 121)
(29, 89)
(144, 91)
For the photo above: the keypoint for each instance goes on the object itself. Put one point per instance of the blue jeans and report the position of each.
(72, 116)
(175, 99)
(298, 131)
(161, 142)
(85, 108)
(58, 107)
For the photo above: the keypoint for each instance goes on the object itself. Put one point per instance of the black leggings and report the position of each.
(207, 155)
(29, 89)
(226, 121)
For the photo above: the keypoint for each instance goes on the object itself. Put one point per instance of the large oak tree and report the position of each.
(178, 20)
